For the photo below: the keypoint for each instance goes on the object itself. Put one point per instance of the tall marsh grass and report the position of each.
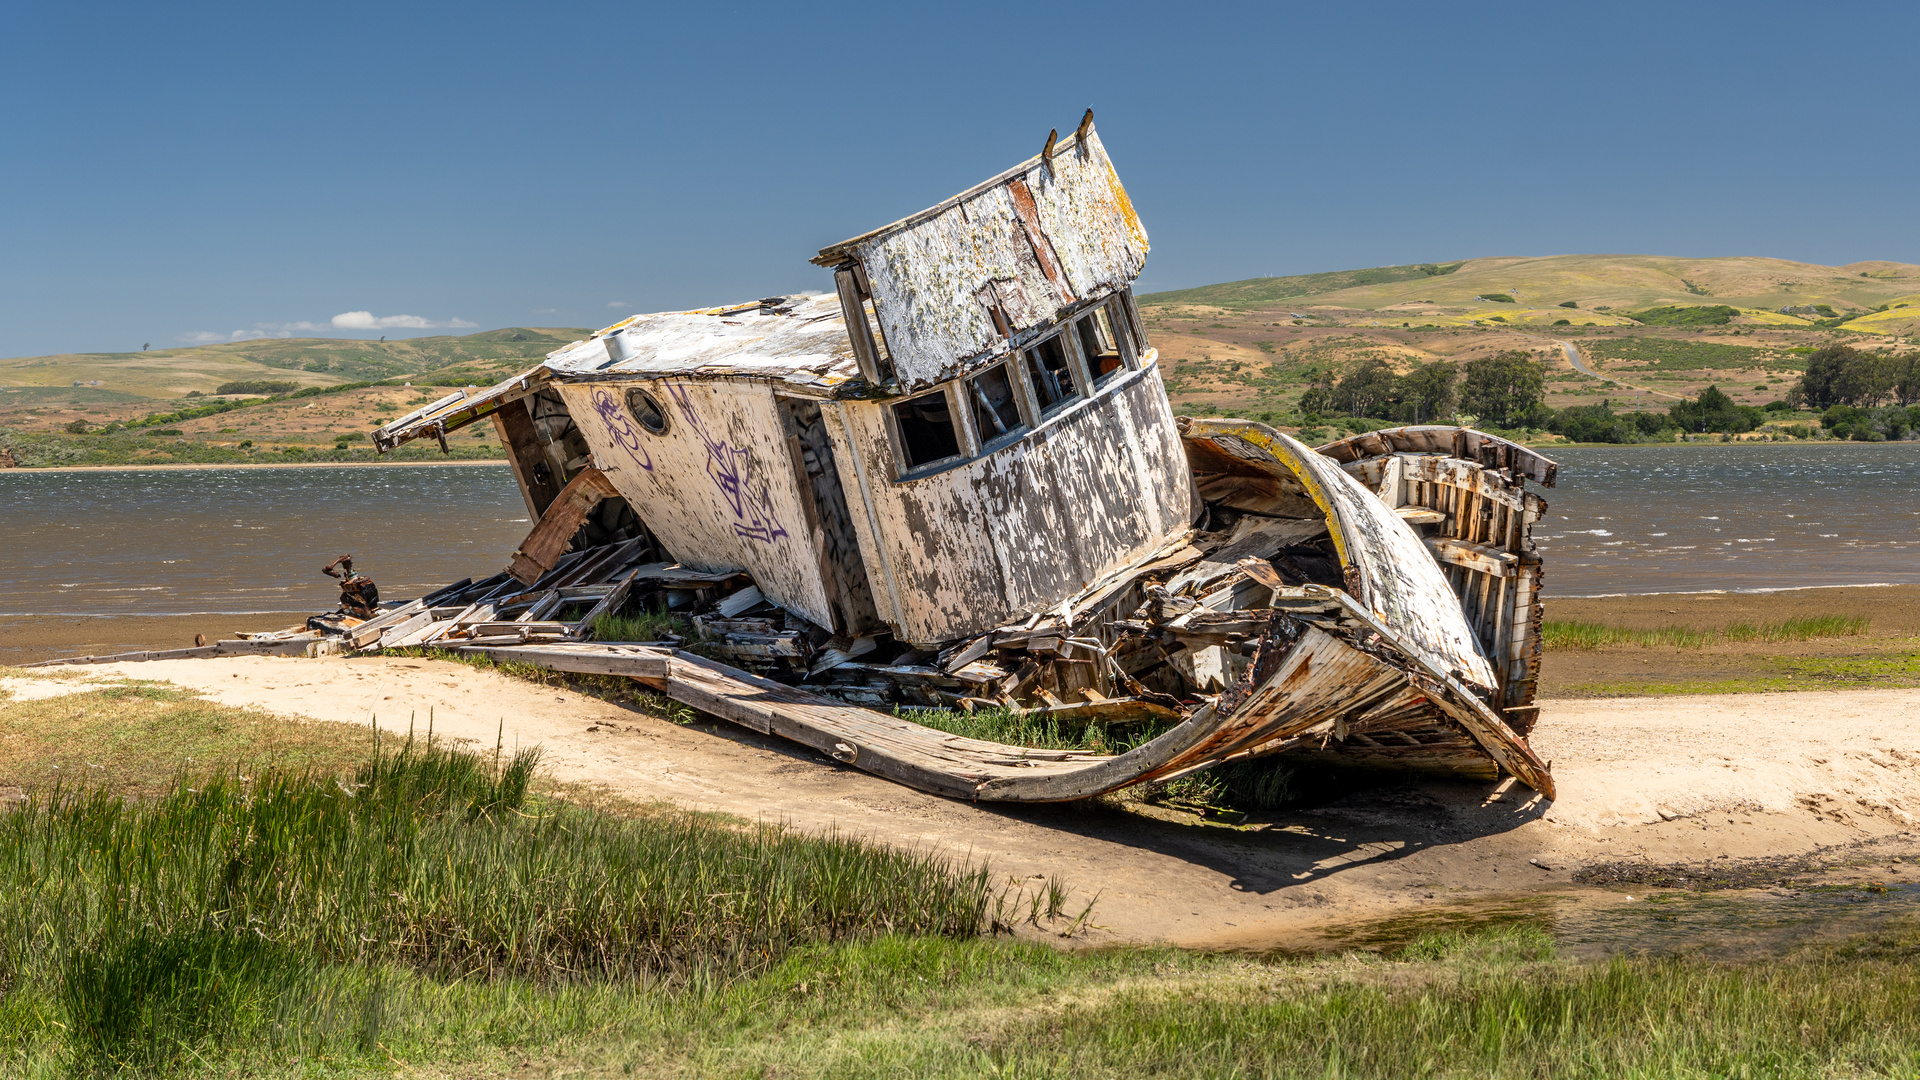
(144, 929)
(1590, 635)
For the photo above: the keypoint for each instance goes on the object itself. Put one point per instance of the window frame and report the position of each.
(1128, 358)
(1023, 404)
(963, 436)
(1076, 372)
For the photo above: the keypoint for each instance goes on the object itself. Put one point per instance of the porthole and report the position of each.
(647, 410)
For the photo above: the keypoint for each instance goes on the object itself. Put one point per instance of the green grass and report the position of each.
(1499, 1003)
(1673, 354)
(1589, 635)
(135, 737)
(151, 933)
(644, 626)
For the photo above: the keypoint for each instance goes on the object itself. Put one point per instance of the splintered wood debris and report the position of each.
(956, 482)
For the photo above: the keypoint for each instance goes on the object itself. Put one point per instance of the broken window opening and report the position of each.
(1099, 345)
(1129, 327)
(1051, 372)
(927, 433)
(647, 410)
(996, 405)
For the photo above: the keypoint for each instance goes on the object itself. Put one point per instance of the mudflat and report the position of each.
(1888, 654)
(28, 639)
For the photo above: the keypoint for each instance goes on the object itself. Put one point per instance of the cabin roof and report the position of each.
(959, 283)
(797, 340)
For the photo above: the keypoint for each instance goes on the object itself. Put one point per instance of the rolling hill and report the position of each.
(172, 373)
(1616, 283)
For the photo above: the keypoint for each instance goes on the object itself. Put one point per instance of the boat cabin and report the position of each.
(970, 428)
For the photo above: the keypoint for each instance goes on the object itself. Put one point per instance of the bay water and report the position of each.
(1630, 519)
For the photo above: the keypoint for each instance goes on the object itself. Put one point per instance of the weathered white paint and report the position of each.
(718, 488)
(1030, 524)
(931, 272)
(1395, 575)
(800, 342)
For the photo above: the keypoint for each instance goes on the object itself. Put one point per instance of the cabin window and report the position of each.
(1052, 374)
(647, 410)
(926, 429)
(1099, 344)
(996, 405)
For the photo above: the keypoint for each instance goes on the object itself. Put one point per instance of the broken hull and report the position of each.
(1395, 660)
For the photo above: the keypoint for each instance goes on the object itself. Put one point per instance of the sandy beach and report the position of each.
(1656, 780)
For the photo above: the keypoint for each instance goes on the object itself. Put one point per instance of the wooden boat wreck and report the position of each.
(957, 482)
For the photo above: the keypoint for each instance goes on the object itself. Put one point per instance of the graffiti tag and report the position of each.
(620, 427)
(731, 469)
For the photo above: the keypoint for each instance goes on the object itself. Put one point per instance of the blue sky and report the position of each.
(190, 172)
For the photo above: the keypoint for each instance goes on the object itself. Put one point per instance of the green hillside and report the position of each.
(1269, 289)
(171, 373)
(1593, 282)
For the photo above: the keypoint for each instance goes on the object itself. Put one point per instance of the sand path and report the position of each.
(1666, 779)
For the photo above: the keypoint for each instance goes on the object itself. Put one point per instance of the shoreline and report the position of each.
(1763, 591)
(192, 465)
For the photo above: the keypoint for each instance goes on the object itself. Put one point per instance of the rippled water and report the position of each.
(1633, 519)
(1648, 519)
(238, 541)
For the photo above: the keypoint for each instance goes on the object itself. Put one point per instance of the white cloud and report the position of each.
(367, 320)
(618, 303)
(208, 337)
(346, 320)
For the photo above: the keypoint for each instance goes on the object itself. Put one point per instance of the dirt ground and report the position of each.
(1718, 780)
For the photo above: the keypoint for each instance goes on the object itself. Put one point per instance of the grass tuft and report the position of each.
(150, 931)
(1590, 635)
(646, 626)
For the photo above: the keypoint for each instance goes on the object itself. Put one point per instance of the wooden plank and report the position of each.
(550, 537)
(368, 632)
(1476, 557)
(538, 486)
(634, 661)
(400, 630)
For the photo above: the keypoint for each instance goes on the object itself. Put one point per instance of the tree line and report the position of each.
(1844, 375)
(1865, 396)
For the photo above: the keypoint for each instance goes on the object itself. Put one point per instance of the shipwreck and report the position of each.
(956, 481)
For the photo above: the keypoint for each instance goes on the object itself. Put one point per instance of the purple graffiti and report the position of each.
(731, 468)
(620, 428)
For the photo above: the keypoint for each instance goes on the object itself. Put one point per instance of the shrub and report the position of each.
(256, 386)
(78, 427)
(1674, 315)
(1563, 322)
(1714, 411)
(1497, 298)
(164, 431)
(1568, 303)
